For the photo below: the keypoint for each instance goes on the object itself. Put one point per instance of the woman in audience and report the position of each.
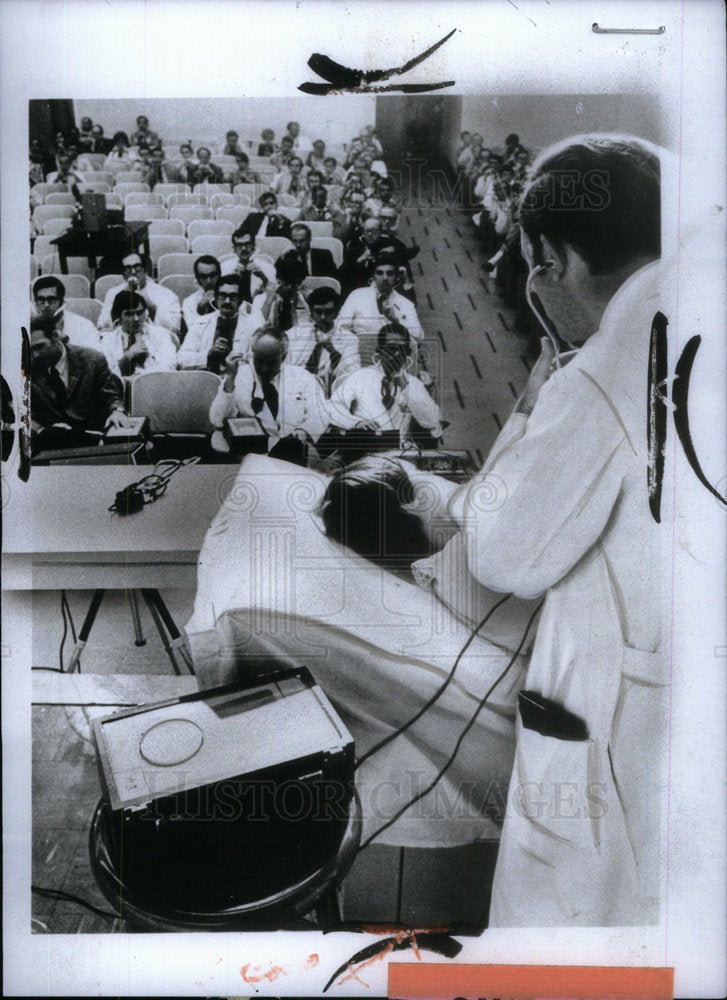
(267, 146)
(122, 156)
(385, 396)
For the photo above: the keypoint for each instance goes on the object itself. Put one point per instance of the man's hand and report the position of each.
(542, 370)
(118, 418)
(366, 425)
(152, 310)
(220, 346)
(136, 350)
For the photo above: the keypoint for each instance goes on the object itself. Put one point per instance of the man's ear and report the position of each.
(556, 256)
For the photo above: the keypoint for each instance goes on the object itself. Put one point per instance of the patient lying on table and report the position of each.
(362, 578)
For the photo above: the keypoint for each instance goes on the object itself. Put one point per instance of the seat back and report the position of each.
(181, 284)
(175, 402)
(159, 245)
(54, 227)
(129, 187)
(253, 191)
(209, 227)
(291, 212)
(144, 213)
(43, 213)
(175, 263)
(89, 308)
(166, 190)
(320, 228)
(166, 227)
(76, 285)
(274, 246)
(104, 283)
(236, 214)
(188, 213)
(218, 246)
(319, 281)
(143, 198)
(185, 197)
(59, 198)
(51, 262)
(329, 243)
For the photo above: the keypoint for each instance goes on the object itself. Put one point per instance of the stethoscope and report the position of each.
(542, 319)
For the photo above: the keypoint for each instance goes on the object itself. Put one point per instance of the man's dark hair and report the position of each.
(208, 259)
(241, 231)
(50, 281)
(386, 258)
(398, 330)
(126, 300)
(229, 279)
(513, 139)
(267, 196)
(322, 296)
(301, 225)
(601, 195)
(362, 509)
(47, 326)
(121, 136)
(291, 268)
(144, 258)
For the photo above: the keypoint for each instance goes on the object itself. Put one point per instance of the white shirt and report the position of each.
(168, 308)
(359, 398)
(301, 144)
(230, 264)
(162, 356)
(77, 329)
(360, 313)
(302, 342)
(189, 308)
(201, 336)
(300, 402)
(561, 508)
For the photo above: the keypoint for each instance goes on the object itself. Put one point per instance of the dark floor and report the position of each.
(480, 364)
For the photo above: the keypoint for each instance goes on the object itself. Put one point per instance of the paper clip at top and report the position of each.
(627, 31)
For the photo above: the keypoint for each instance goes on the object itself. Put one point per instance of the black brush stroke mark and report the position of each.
(656, 425)
(343, 79)
(441, 944)
(680, 398)
(24, 421)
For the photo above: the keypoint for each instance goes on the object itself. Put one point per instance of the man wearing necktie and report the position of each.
(228, 329)
(286, 400)
(318, 262)
(321, 346)
(72, 390)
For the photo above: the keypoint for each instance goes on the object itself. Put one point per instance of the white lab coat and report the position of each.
(358, 398)
(561, 508)
(160, 342)
(201, 336)
(168, 307)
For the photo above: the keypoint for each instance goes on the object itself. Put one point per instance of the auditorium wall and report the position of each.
(334, 119)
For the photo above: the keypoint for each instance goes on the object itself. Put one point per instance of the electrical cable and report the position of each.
(553, 337)
(63, 638)
(133, 497)
(70, 897)
(440, 691)
(450, 761)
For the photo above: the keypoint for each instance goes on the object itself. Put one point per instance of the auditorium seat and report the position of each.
(236, 214)
(186, 197)
(76, 285)
(43, 213)
(218, 200)
(332, 244)
(114, 201)
(291, 212)
(143, 198)
(273, 245)
(253, 191)
(90, 309)
(178, 406)
(97, 160)
(320, 228)
(144, 213)
(106, 282)
(181, 284)
(54, 227)
(166, 227)
(215, 245)
(59, 198)
(102, 177)
(208, 227)
(129, 177)
(50, 262)
(319, 281)
(39, 191)
(34, 266)
(188, 213)
(288, 201)
(130, 186)
(95, 187)
(175, 263)
(208, 190)
(159, 245)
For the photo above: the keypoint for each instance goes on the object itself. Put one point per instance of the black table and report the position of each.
(118, 240)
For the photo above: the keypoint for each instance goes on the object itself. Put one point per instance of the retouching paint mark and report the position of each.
(24, 415)
(428, 940)
(343, 79)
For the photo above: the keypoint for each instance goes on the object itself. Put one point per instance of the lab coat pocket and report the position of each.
(558, 792)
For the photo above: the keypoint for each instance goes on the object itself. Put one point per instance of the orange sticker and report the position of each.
(528, 982)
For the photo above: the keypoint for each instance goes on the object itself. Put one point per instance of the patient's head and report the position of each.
(364, 508)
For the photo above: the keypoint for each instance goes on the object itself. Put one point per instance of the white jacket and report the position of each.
(561, 509)
(168, 308)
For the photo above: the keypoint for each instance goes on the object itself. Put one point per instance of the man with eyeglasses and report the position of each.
(49, 295)
(318, 261)
(201, 303)
(228, 329)
(367, 309)
(256, 269)
(321, 346)
(163, 305)
(135, 344)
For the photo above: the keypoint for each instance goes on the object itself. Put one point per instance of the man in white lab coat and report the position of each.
(583, 833)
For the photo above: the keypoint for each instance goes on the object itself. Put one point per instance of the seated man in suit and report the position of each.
(348, 221)
(256, 269)
(301, 143)
(283, 304)
(158, 171)
(367, 309)
(359, 258)
(268, 221)
(318, 262)
(321, 346)
(281, 158)
(207, 270)
(316, 207)
(286, 399)
(332, 173)
(383, 195)
(72, 390)
(226, 330)
(49, 294)
(144, 137)
(135, 344)
(231, 145)
(206, 171)
(242, 173)
(292, 182)
(163, 305)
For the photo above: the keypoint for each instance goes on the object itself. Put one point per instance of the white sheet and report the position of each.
(274, 590)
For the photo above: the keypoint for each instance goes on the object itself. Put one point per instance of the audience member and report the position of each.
(301, 143)
(100, 144)
(320, 345)
(266, 146)
(206, 171)
(291, 181)
(383, 194)
(286, 399)
(49, 295)
(317, 156)
(85, 134)
(348, 222)
(227, 330)
(359, 259)
(367, 309)
(384, 395)
(283, 305)
(207, 270)
(231, 146)
(163, 305)
(72, 390)
(134, 344)
(332, 173)
(269, 221)
(159, 171)
(143, 136)
(255, 269)
(65, 173)
(242, 173)
(318, 262)
(316, 208)
(280, 158)
(121, 156)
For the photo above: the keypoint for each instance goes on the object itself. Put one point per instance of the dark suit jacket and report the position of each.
(92, 393)
(322, 263)
(279, 225)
